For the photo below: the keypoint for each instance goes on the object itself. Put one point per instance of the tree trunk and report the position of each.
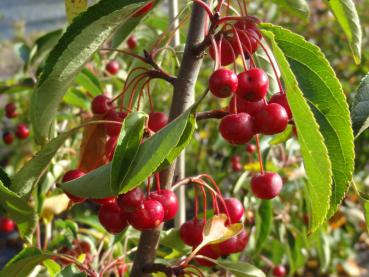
(183, 98)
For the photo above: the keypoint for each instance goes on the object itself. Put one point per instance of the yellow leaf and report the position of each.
(74, 8)
(54, 205)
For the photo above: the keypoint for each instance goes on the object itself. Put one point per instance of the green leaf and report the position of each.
(71, 271)
(348, 18)
(44, 44)
(326, 99)
(24, 262)
(366, 214)
(76, 98)
(5, 178)
(360, 107)
(172, 239)
(18, 210)
(281, 137)
(264, 220)
(127, 147)
(74, 7)
(83, 37)
(151, 154)
(313, 149)
(298, 8)
(52, 267)
(89, 81)
(241, 269)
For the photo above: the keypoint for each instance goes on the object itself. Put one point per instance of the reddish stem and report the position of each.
(148, 187)
(259, 154)
(205, 7)
(196, 203)
(157, 179)
(239, 45)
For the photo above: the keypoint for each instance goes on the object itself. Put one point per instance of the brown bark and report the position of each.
(183, 98)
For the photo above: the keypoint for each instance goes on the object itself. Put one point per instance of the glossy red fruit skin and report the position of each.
(227, 54)
(250, 148)
(112, 218)
(191, 232)
(266, 185)
(104, 201)
(248, 43)
(10, 110)
(132, 42)
(69, 176)
(233, 245)
(7, 225)
(279, 271)
(131, 201)
(110, 145)
(157, 121)
(112, 67)
(236, 167)
(111, 129)
(271, 120)
(249, 26)
(223, 82)
(168, 200)
(149, 216)
(237, 128)
(100, 104)
(206, 251)
(22, 131)
(281, 99)
(145, 9)
(253, 85)
(235, 209)
(8, 138)
(243, 106)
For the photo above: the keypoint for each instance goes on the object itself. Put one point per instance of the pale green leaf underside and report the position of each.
(325, 96)
(299, 8)
(348, 18)
(314, 152)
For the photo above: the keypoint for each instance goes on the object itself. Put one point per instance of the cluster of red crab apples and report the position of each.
(21, 130)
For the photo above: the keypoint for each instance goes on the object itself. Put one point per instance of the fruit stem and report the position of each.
(271, 62)
(196, 203)
(234, 105)
(239, 46)
(206, 8)
(252, 62)
(259, 154)
(217, 51)
(148, 187)
(157, 179)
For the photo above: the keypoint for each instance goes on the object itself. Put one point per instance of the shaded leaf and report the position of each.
(299, 8)
(264, 220)
(241, 269)
(89, 81)
(360, 107)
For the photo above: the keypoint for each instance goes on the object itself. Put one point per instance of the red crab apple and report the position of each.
(206, 251)
(157, 121)
(69, 176)
(7, 225)
(22, 131)
(244, 106)
(10, 110)
(132, 42)
(148, 216)
(113, 129)
(112, 67)
(168, 200)
(233, 245)
(279, 271)
(100, 104)
(191, 232)
(131, 201)
(235, 209)
(223, 82)
(253, 85)
(281, 99)
(227, 55)
(271, 120)
(266, 185)
(237, 128)
(112, 218)
(250, 148)
(8, 138)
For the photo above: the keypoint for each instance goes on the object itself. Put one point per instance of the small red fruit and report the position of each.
(235, 159)
(233, 245)
(191, 232)
(8, 138)
(150, 215)
(7, 225)
(244, 106)
(227, 55)
(110, 147)
(237, 128)
(250, 148)
(69, 176)
(100, 104)
(22, 131)
(10, 110)
(281, 99)
(248, 42)
(271, 120)
(112, 129)
(168, 200)
(103, 201)
(131, 201)
(145, 9)
(206, 251)
(132, 42)
(223, 82)
(112, 218)
(112, 67)
(157, 121)
(253, 85)
(266, 185)
(279, 271)
(235, 209)
(236, 167)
